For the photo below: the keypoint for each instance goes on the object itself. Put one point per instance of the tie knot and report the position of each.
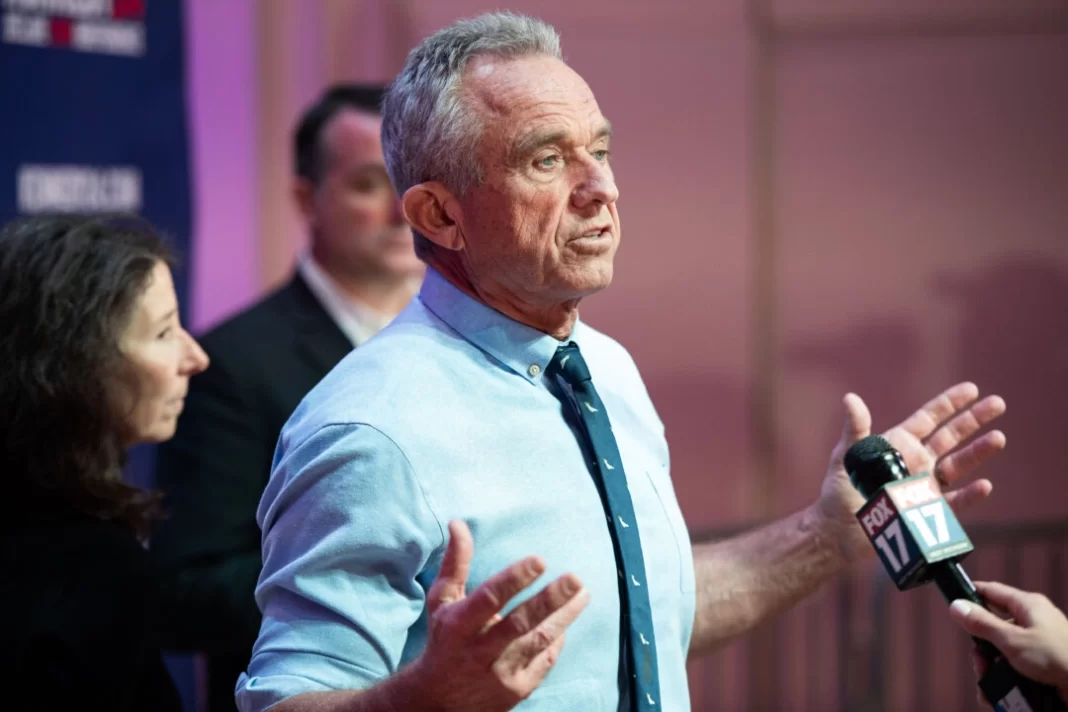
(568, 362)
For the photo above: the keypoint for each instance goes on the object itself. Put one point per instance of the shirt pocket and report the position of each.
(665, 493)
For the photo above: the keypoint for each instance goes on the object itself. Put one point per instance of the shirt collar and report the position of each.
(357, 321)
(521, 348)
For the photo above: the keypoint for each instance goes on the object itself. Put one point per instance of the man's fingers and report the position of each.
(533, 611)
(964, 425)
(972, 493)
(981, 623)
(524, 650)
(968, 458)
(487, 600)
(928, 418)
(543, 662)
(451, 583)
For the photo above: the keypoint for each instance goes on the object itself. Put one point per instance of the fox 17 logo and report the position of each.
(910, 525)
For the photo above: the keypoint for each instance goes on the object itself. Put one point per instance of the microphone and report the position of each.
(918, 539)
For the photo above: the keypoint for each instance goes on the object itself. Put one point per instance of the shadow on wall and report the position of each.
(874, 358)
(1011, 338)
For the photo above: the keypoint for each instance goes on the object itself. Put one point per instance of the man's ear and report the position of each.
(304, 196)
(432, 210)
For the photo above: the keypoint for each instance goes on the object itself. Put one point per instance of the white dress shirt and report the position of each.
(356, 320)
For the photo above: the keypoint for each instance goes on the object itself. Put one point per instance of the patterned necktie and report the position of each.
(638, 654)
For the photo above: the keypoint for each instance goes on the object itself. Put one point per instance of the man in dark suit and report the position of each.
(360, 272)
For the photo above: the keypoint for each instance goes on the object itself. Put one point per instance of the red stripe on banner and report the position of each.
(126, 9)
(61, 31)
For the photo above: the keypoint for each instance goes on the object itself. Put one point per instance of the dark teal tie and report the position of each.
(639, 681)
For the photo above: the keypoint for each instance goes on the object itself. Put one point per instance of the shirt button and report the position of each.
(534, 370)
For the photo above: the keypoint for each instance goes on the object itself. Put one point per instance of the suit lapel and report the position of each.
(318, 339)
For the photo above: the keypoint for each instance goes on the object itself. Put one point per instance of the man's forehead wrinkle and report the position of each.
(480, 91)
(523, 109)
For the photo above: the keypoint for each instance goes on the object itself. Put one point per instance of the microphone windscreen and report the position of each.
(866, 450)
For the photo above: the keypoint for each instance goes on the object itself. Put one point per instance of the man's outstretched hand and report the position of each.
(936, 439)
(475, 659)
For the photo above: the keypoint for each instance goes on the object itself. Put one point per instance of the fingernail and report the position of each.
(961, 606)
(570, 586)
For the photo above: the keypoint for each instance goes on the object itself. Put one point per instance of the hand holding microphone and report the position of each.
(1034, 641)
(918, 539)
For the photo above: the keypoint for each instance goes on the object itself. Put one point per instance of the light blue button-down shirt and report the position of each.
(447, 414)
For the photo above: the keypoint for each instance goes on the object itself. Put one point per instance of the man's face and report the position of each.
(356, 225)
(543, 225)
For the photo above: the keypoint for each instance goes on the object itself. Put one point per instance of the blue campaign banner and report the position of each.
(94, 120)
(95, 112)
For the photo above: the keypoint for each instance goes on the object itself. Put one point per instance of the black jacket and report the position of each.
(214, 470)
(80, 616)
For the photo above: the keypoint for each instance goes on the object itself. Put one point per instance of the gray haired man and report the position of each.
(488, 438)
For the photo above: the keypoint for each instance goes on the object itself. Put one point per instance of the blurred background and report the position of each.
(818, 196)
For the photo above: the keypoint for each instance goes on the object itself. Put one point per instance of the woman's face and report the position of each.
(163, 356)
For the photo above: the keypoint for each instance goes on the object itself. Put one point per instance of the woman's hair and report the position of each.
(68, 286)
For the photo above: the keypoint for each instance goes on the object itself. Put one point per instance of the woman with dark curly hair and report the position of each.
(93, 359)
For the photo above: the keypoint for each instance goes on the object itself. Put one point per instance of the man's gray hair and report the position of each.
(429, 132)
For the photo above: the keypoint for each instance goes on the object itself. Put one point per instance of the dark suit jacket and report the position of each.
(80, 628)
(214, 470)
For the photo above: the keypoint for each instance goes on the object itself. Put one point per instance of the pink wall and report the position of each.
(923, 209)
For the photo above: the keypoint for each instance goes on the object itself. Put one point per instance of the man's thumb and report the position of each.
(451, 584)
(857, 421)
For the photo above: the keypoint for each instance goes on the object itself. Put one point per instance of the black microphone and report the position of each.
(918, 539)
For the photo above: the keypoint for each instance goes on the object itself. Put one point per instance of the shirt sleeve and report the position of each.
(346, 532)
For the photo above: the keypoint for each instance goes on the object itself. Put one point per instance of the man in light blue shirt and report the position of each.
(488, 438)
(372, 468)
